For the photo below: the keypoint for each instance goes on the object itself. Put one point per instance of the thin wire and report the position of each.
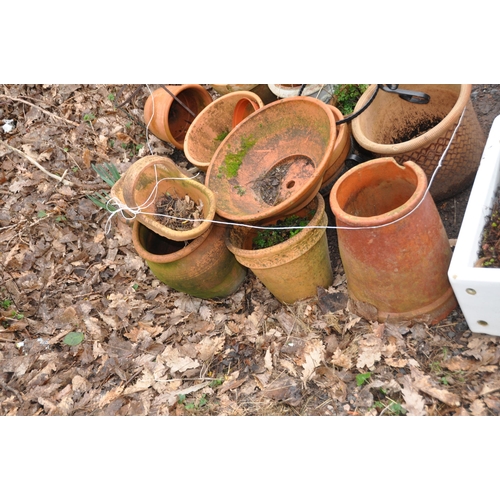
(122, 208)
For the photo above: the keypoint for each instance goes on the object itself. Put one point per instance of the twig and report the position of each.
(7, 340)
(10, 389)
(41, 109)
(34, 162)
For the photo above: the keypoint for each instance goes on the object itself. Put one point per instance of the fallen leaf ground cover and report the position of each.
(149, 350)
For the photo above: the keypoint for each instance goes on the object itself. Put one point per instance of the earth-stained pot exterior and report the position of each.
(291, 270)
(167, 118)
(384, 127)
(398, 271)
(204, 268)
(340, 150)
(299, 132)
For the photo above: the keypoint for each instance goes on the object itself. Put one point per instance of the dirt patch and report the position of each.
(415, 130)
(270, 186)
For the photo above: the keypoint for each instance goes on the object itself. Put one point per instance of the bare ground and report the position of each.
(149, 350)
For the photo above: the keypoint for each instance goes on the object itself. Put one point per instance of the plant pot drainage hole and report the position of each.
(274, 186)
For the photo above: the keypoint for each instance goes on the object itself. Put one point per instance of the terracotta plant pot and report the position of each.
(291, 270)
(148, 179)
(168, 119)
(398, 271)
(261, 89)
(341, 148)
(207, 131)
(478, 288)
(389, 128)
(204, 268)
(273, 162)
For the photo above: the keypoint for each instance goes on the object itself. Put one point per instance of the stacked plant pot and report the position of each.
(195, 261)
(269, 168)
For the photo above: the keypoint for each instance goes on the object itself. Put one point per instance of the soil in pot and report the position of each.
(416, 129)
(180, 214)
(489, 254)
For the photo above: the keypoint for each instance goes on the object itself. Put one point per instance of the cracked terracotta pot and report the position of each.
(291, 270)
(150, 178)
(215, 122)
(273, 162)
(203, 267)
(389, 127)
(398, 271)
(170, 120)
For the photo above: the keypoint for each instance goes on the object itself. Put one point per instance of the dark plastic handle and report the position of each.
(408, 95)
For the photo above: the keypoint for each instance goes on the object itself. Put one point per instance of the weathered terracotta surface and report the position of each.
(298, 132)
(148, 179)
(204, 134)
(389, 118)
(203, 268)
(397, 271)
(291, 270)
(168, 119)
(340, 150)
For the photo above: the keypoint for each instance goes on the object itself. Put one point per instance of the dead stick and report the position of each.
(10, 389)
(41, 109)
(34, 162)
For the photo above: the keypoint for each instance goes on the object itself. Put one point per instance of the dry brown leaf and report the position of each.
(268, 360)
(414, 403)
(86, 157)
(478, 408)
(314, 356)
(341, 359)
(425, 384)
(177, 363)
(209, 347)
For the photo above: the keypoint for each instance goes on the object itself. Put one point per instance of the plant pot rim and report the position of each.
(295, 240)
(417, 142)
(237, 96)
(350, 220)
(125, 191)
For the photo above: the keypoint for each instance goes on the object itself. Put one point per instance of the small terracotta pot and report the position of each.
(389, 128)
(341, 148)
(397, 271)
(148, 179)
(292, 137)
(221, 116)
(203, 267)
(261, 89)
(291, 270)
(167, 118)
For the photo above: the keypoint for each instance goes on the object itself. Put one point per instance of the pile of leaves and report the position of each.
(86, 328)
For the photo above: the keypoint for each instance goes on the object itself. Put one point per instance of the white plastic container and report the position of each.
(323, 92)
(477, 288)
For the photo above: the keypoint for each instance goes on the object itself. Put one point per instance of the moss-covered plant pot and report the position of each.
(273, 162)
(291, 270)
(202, 268)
